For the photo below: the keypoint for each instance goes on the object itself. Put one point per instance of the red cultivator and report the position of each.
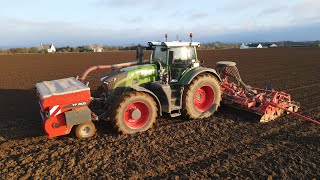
(267, 103)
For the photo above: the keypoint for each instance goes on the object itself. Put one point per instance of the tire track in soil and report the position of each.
(240, 150)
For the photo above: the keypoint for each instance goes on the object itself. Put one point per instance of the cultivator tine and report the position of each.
(271, 115)
(294, 112)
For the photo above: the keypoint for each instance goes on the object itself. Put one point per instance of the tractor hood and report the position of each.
(140, 74)
(141, 69)
(129, 76)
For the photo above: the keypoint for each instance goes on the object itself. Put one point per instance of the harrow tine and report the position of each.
(296, 114)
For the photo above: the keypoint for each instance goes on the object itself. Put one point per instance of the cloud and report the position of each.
(188, 14)
(251, 7)
(199, 15)
(305, 11)
(31, 33)
(236, 6)
(20, 31)
(126, 21)
(133, 20)
(274, 10)
(120, 3)
(146, 4)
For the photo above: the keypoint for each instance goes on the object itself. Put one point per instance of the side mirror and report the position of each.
(139, 54)
(170, 57)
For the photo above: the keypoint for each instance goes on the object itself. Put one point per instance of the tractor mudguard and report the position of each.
(142, 89)
(190, 75)
(78, 116)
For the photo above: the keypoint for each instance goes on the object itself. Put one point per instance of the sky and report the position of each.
(125, 22)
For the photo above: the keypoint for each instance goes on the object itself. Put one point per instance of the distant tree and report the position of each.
(63, 50)
(219, 45)
(34, 50)
(83, 49)
(110, 48)
(18, 50)
(44, 51)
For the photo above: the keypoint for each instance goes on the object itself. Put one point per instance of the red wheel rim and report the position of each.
(136, 115)
(203, 98)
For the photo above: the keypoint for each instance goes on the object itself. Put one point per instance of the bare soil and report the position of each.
(231, 144)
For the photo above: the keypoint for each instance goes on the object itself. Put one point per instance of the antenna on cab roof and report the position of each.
(166, 36)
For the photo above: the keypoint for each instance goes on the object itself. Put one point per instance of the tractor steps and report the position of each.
(176, 100)
(174, 108)
(175, 114)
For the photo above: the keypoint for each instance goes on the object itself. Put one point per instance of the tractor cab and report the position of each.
(175, 58)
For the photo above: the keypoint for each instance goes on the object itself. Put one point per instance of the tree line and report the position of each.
(205, 46)
(64, 49)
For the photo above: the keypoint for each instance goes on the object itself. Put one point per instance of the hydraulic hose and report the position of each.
(114, 66)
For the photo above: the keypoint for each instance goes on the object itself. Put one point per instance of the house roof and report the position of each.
(46, 46)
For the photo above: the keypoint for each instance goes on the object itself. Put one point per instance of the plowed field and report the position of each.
(231, 144)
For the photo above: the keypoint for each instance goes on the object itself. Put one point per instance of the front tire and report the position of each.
(85, 130)
(136, 112)
(202, 97)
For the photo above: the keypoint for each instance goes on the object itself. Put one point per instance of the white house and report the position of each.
(273, 46)
(96, 47)
(250, 46)
(244, 46)
(48, 48)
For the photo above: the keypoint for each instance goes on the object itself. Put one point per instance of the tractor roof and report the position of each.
(174, 44)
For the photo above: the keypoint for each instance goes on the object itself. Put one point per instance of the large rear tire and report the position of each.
(201, 97)
(135, 112)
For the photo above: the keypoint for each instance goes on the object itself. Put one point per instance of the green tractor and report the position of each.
(173, 81)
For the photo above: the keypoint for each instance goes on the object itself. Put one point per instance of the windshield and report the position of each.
(183, 53)
(159, 55)
(180, 53)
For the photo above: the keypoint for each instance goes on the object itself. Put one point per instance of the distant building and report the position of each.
(244, 46)
(250, 46)
(273, 46)
(269, 45)
(96, 47)
(48, 48)
(257, 45)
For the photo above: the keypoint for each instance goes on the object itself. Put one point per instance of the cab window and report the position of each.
(160, 55)
(183, 53)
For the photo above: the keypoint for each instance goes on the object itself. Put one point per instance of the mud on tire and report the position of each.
(201, 97)
(135, 112)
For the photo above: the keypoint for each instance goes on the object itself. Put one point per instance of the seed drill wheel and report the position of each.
(85, 130)
(136, 112)
(202, 97)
